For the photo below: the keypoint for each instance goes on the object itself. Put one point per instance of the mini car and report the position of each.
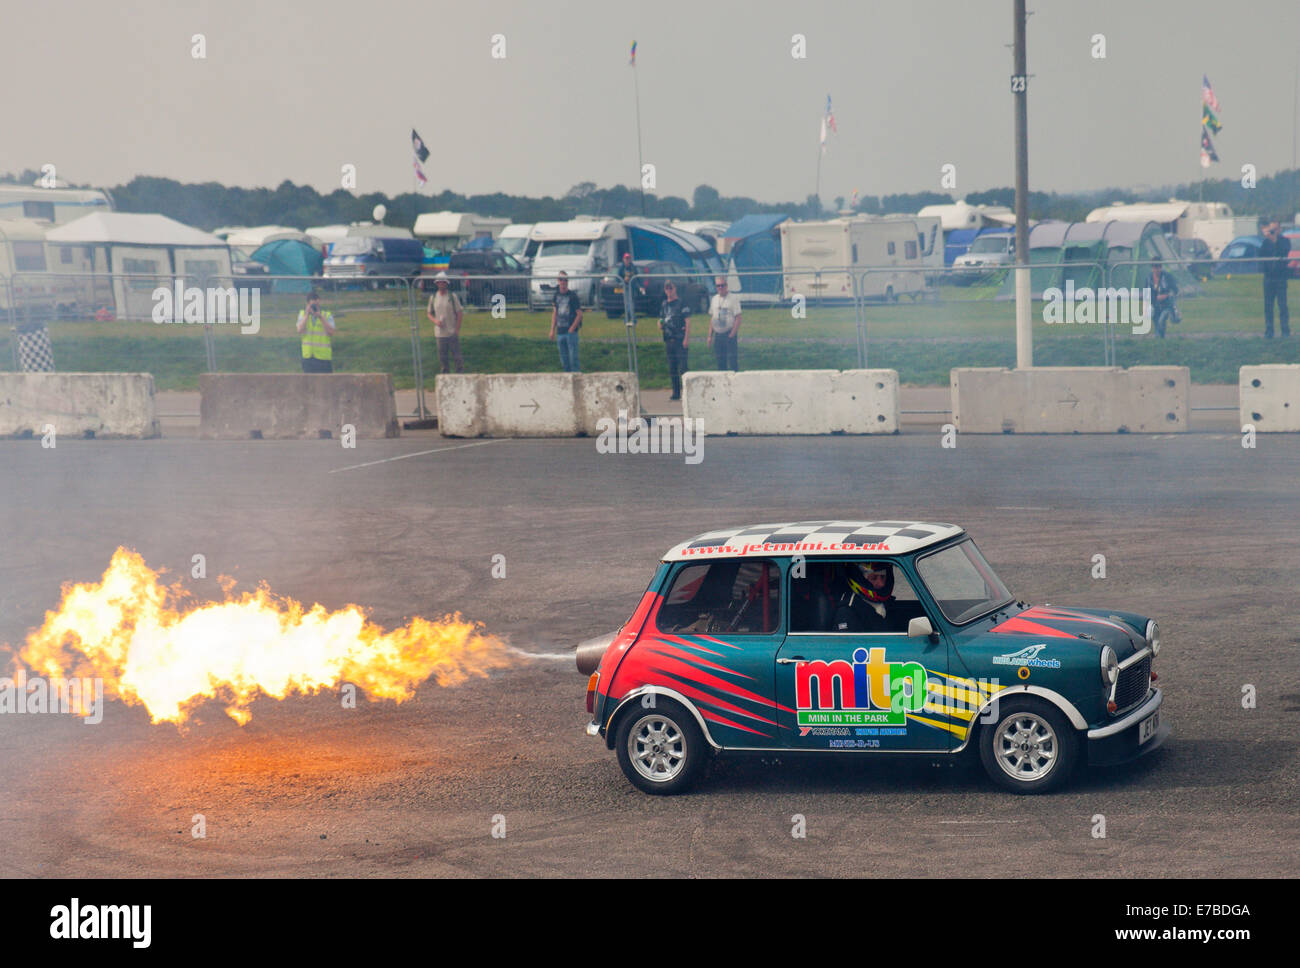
(864, 637)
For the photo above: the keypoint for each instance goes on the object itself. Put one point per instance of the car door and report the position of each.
(714, 641)
(859, 690)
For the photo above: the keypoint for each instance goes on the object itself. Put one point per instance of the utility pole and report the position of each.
(1024, 293)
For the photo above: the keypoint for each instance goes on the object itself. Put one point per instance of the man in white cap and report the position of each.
(445, 312)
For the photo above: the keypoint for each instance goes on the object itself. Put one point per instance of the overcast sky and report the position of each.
(297, 89)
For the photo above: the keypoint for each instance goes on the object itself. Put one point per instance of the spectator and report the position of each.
(626, 272)
(1164, 298)
(675, 325)
(724, 327)
(566, 320)
(1273, 254)
(317, 329)
(446, 313)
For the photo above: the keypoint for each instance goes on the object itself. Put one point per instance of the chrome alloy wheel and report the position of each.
(1026, 746)
(656, 748)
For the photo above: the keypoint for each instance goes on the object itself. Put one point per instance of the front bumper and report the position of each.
(1117, 742)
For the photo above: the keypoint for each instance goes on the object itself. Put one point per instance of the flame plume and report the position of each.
(151, 648)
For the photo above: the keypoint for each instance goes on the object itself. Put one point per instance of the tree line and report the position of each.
(209, 205)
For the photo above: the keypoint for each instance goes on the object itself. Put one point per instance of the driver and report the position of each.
(863, 604)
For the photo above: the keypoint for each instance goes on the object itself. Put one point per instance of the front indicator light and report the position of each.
(1111, 707)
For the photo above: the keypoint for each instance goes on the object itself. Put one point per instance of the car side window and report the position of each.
(738, 596)
(820, 599)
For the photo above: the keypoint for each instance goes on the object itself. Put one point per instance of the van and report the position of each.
(513, 241)
(54, 206)
(359, 256)
(585, 249)
(819, 259)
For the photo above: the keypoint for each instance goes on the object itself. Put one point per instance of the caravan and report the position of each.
(819, 259)
(54, 206)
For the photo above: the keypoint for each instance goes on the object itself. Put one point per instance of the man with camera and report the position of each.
(317, 329)
(1273, 260)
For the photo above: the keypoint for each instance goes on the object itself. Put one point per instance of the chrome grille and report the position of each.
(1133, 685)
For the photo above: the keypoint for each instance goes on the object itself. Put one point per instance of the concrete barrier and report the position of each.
(1269, 397)
(793, 401)
(289, 406)
(1071, 400)
(532, 404)
(78, 404)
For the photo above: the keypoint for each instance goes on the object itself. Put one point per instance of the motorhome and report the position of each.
(513, 240)
(962, 215)
(584, 249)
(448, 231)
(819, 259)
(53, 206)
(1174, 216)
(37, 278)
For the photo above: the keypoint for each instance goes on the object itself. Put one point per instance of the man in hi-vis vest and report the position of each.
(317, 329)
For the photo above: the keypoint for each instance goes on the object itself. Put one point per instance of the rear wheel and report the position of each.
(1031, 749)
(661, 748)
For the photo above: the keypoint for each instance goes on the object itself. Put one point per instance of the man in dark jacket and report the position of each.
(1273, 253)
(675, 325)
(863, 603)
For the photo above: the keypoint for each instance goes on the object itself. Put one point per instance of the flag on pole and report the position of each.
(1210, 120)
(417, 145)
(830, 117)
(1207, 94)
(632, 60)
(854, 202)
(419, 173)
(1208, 153)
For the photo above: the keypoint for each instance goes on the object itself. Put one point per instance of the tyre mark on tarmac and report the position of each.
(418, 453)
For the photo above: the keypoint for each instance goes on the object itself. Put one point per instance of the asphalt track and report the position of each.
(1196, 530)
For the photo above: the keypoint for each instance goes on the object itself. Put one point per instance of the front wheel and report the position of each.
(661, 748)
(1031, 749)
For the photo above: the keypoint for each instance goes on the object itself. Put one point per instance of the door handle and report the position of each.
(791, 661)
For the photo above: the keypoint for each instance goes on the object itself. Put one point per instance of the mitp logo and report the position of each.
(872, 692)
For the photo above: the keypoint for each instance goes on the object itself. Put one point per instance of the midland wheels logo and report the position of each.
(872, 692)
(1027, 658)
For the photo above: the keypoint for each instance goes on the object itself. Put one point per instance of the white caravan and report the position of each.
(818, 259)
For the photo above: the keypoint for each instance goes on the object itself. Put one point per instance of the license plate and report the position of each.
(618, 290)
(1147, 728)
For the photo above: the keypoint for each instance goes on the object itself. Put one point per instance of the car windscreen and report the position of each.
(961, 582)
(353, 245)
(989, 245)
(564, 247)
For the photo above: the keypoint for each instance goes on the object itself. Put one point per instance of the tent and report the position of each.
(755, 245)
(144, 252)
(1078, 252)
(289, 257)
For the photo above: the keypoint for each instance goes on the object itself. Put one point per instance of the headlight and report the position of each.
(1153, 637)
(1109, 666)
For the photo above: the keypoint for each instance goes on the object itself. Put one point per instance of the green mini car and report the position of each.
(865, 637)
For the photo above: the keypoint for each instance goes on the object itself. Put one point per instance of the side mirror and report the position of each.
(919, 628)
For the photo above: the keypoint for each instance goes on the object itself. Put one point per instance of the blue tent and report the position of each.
(957, 242)
(290, 257)
(482, 242)
(756, 248)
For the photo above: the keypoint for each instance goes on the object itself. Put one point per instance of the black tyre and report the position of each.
(1031, 748)
(661, 748)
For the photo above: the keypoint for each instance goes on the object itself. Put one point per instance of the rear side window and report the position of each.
(732, 597)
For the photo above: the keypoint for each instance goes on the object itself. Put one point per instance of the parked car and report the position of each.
(248, 272)
(1293, 263)
(649, 290)
(468, 269)
(870, 637)
(988, 253)
(1193, 254)
(361, 257)
(1240, 256)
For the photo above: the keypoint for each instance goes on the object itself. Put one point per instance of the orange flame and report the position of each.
(126, 631)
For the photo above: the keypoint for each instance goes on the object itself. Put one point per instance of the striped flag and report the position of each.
(830, 116)
(632, 61)
(1207, 94)
(1210, 120)
(419, 172)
